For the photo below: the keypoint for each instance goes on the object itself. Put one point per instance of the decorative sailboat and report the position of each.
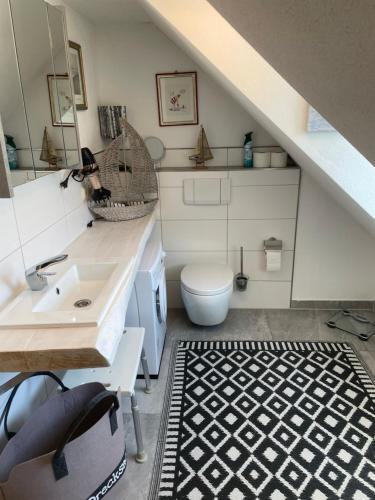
(203, 151)
(48, 153)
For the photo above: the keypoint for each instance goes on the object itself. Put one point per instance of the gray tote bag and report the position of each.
(71, 448)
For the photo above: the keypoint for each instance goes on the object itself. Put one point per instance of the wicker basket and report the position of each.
(134, 187)
(117, 213)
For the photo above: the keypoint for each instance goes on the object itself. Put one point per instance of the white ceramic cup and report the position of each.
(278, 159)
(261, 159)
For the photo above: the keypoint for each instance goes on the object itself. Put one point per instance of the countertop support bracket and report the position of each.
(12, 382)
(8, 385)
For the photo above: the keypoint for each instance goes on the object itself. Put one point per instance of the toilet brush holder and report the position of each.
(241, 279)
(241, 282)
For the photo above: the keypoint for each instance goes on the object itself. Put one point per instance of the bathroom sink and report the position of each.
(79, 295)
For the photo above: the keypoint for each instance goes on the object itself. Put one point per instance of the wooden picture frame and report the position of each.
(78, 76)
(61, 101)
(177, 95)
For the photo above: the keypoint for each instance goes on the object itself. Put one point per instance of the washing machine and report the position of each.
(148, 303)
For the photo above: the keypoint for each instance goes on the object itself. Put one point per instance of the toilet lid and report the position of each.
(206, 279)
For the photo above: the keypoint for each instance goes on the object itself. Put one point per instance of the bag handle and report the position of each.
(8, 405)
(59, 465)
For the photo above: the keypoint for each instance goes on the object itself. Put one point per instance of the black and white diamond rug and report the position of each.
(267, 421)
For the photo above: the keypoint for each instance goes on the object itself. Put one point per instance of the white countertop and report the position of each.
(82, 347)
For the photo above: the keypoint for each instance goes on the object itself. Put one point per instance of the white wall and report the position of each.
(263, 204)
(82, 31)
(335, 256)
(39, 222)
(42, 219)
(35, 63)
(129, 56)
(211, 41)
(127, 59)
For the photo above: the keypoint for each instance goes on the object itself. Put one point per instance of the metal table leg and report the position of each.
(141, 454)
(146, 373)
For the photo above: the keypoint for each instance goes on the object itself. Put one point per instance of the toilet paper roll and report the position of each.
(273, 260)
(261, 159)
(279, 159)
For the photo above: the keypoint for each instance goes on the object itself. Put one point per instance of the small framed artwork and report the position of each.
(61, 101)
(316, 123)
(78, 76)
(177, 98)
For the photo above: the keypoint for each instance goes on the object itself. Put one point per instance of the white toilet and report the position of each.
(206, 291)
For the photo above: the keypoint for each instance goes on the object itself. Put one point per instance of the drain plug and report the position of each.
(82, 303)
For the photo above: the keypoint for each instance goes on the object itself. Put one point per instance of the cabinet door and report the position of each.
(18, 154)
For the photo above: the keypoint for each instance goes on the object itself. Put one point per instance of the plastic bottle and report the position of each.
(11, 152)
(248, 150)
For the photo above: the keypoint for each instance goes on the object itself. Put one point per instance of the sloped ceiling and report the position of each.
(200, 30)
(324, 49)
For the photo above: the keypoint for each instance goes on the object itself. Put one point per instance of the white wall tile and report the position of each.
(220, 158)
(263, 202)
(251, 233)
(74, 195)
(255, 266)
(39, 174)
(21, 176)
(265, 177)
(235, 157)
(174, 208)
(77, 221)
(38, 205)
(175, 261)
(50, 242)
(176, 179)
(187, 236)
(259, 295)
(174, 298)
(178, 158)
(263, 294)
(12, 277)
(9, 240)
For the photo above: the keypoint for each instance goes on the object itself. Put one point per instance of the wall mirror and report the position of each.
(36, 100)
(155, 147)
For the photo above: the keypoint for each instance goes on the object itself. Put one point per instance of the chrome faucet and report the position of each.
(36, 279)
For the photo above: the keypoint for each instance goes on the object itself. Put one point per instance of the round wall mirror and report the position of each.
(155, 148)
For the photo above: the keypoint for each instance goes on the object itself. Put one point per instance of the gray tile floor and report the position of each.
(246, 324)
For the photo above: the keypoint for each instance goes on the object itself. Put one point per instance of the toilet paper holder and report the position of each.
(272, 244)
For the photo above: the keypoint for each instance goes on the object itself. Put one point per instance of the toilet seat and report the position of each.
(207, 279)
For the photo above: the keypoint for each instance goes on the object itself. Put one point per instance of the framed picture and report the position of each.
(61, 101)
(316, 123)
(78, 76)
(177, 98)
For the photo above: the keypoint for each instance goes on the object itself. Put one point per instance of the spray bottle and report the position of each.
(11, 152)
(248, 150)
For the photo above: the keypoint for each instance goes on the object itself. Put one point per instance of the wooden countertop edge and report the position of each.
(65, 348)
(60, 359)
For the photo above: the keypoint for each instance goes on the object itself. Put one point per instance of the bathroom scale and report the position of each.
(353, 323)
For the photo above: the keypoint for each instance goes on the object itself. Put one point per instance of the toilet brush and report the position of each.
(241, 279)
